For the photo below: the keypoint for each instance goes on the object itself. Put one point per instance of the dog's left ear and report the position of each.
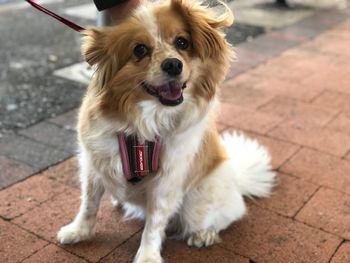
(94, 47)
(205, 26)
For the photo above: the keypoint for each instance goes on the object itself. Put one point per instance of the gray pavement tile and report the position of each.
(270, 16)
(32, 47)
(238, 33)
(52, 135)
(320, 4)
(302, 30)
(79, 72)
(316, 24)
(67, 120)
(331, 17)
(27, 102)
(269, 45)
(86, 11)
(35, 154)
(12, 171)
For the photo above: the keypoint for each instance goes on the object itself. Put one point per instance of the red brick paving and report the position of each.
(320, 168)
(347, 156)
(242, 95)
(53, 254)
(340, 83)
(176, 251)
(290, 194)
(314, 136)
(24, 196)
(111, 232)
(333, 100)
(289, 75)
(341, 123)
(248, 56)
(247, 119)
(295, 103)
(338, 46)
(17, 244)
(46, 219)
(298, 111)
(343, 254)
(328, 210)
(264, 236)
(66, 173)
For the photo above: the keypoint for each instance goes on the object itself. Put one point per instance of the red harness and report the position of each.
(138, 159)
(54, 15)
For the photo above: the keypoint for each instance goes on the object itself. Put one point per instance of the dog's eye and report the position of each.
(181, 43)
(140, 51)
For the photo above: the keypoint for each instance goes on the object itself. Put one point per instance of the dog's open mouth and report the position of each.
(169, 94)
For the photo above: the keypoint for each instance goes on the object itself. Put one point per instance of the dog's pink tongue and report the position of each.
(171, 90)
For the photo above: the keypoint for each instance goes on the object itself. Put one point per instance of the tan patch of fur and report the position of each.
(115, 86)
(208, 44)
(210, 155)
(207, 40)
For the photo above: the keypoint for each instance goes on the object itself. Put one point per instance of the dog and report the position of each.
(156, 88)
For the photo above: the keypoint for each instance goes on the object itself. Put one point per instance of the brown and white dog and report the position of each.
(157, 76)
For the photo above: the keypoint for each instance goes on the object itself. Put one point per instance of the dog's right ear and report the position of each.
(205, 26)
(94, 47)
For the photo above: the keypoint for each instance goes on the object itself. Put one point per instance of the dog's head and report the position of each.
(166, 53)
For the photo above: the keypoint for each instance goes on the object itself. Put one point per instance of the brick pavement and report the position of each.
(290, 90)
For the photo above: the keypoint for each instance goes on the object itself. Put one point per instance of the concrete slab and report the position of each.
(270, 18)
(87, 11)
(265, 14)
(33, 45)
(7, 5)
(322, 3)
(309, 3)
(79, 72)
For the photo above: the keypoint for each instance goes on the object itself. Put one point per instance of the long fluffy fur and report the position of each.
(198, 190)
(250, 165)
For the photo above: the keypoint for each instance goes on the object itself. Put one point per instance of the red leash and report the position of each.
(59, 18)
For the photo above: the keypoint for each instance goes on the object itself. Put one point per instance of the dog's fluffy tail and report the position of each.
(251, 165)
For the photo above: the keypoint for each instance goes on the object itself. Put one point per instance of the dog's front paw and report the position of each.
(204, 238)
(74, 233)
(147, 256)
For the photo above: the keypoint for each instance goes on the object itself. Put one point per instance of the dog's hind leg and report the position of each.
(82, 227)
(211, 207)
(218, 200)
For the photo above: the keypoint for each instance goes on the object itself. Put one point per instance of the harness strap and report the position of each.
(138, 159)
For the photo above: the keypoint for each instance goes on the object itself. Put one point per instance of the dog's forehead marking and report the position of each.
(148, 19)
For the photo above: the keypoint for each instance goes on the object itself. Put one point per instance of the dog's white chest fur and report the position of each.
(179, 147)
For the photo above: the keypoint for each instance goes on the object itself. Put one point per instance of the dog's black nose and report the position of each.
(172, 66)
